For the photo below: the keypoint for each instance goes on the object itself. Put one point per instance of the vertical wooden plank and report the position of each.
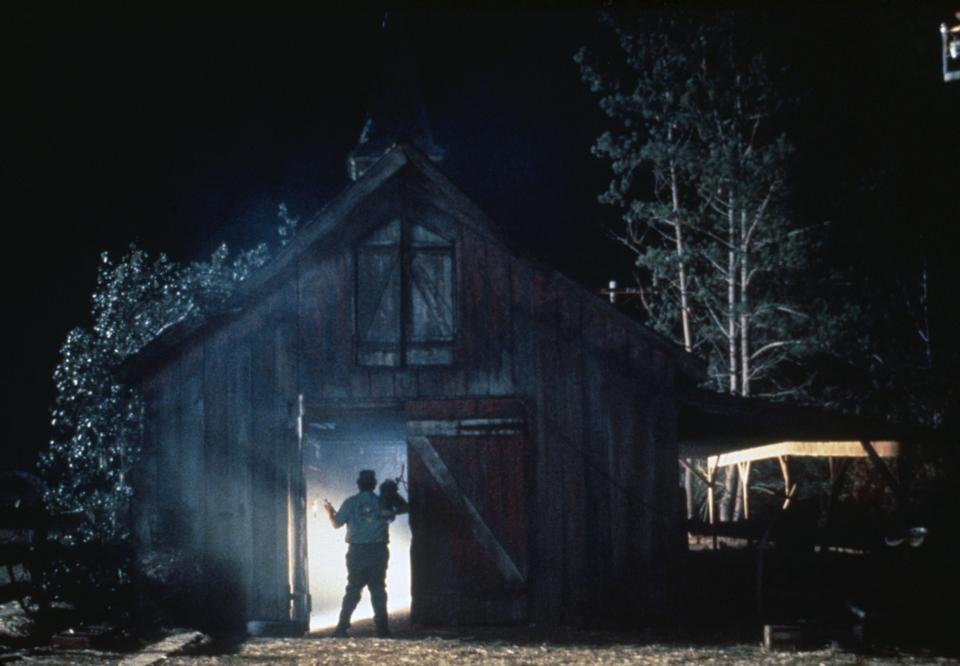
(405, 383)
(342, 356)
(640, 379)
(315, 329)
(538, 370)
(432, 550)
(382, 382)
(629, 427)
(191, 441)
(622, 395)
(225, 564)
(669, 526)
(359, 382)
(264, 472)
(326, 287)
(475, 324)
(301, 582)
(544, 596)
(240, 462)
(300, 577)
(568, 398)
(499, 314)
(441, 382)
(429, 383)
(599, 493)
(144, 479)
(217, 507)
(168, 445)
(289, 471)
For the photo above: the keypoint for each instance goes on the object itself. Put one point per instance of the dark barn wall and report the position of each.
(605, 438)
(220, 441)
(221, 446)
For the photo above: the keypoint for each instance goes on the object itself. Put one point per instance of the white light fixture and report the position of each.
(950, 38)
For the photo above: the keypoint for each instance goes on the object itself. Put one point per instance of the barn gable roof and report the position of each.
(330, 227)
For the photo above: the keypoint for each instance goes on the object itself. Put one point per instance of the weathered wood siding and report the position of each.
(220, 444)
(221, 454)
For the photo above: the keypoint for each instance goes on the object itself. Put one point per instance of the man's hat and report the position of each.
(368, 476)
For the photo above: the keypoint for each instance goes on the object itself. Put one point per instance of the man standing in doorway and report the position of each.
(367, 519)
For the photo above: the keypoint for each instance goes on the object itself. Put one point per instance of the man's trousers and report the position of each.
(366, 567)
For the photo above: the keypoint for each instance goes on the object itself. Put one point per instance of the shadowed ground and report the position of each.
(522, 645)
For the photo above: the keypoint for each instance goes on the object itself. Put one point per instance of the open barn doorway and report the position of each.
(336, 448)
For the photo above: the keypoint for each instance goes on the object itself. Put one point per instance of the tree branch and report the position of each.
(771, 346)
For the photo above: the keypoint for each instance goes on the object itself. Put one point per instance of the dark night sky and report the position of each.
(180, 133)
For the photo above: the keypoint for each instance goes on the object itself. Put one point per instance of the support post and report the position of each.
(838, 473)
(744, 469)
(787, 488)
(711, 499)
(884, 471)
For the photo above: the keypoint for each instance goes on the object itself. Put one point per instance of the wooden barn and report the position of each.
(536, 424)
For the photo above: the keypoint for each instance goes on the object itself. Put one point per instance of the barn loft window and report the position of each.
(405, 297)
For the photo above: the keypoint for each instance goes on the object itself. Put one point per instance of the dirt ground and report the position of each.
(424, 651)
(425, 647)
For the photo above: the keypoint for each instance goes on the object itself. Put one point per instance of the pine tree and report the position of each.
(700, 176)
(648, 93)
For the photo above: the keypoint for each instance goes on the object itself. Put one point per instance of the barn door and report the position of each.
(468, 515)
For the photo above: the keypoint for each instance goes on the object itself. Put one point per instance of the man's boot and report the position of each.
(350, 600)
(381, 621)
(343, 626)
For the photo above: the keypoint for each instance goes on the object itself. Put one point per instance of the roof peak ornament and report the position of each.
(397, 113)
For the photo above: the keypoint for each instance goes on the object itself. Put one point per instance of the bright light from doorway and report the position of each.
(328, 569)
(335, 450)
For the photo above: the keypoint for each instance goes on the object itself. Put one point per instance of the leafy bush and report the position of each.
(97, 419)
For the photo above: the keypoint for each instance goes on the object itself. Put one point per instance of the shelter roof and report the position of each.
(740, 429)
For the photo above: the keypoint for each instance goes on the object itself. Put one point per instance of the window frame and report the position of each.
(405, 352)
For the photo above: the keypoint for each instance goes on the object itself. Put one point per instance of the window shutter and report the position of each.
(431, 325)
(379, 297)
(405, 301)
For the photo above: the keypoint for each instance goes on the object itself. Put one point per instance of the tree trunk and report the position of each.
(744, 309)
(681, 264)
(732, 297)
(729, 493)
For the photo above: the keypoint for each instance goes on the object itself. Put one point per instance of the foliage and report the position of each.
(96, 418)
(288, 224)
(700, 175)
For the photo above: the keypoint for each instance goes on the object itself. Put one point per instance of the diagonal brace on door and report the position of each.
(441, 474)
